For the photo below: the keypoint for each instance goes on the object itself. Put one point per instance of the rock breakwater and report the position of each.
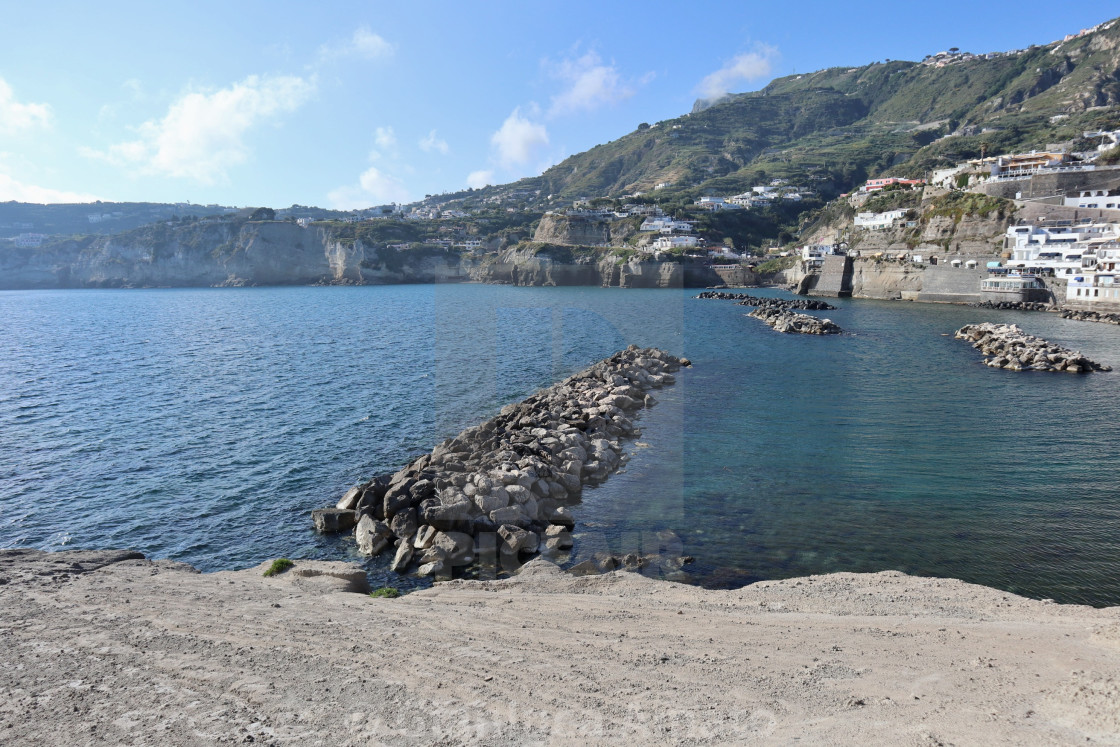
(1091, 316)
(744, 299)
(500, 491)
(1014, 305)
(1009, 347)
(790, 322)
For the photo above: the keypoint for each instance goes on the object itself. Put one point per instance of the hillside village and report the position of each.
(962, 177)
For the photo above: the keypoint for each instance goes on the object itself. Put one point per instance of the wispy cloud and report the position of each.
(747, 66)
(518, 139)
(433, 144)
(203, 135)
(17, 117)
(12, 189)
(363, 44)
(385, 138)
(479, 179)
(374, 187)
(589, 84)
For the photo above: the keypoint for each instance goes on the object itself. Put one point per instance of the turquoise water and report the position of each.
(204, 425)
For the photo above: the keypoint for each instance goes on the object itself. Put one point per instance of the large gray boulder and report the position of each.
(372, 536)
(330, 520)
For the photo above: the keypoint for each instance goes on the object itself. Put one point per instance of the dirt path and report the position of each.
(98, 648)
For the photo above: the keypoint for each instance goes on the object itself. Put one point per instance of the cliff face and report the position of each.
(558, 265)
(218, 254)
(574, 230)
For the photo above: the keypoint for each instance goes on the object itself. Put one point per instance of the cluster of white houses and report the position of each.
(1085, 254)
(759, 196)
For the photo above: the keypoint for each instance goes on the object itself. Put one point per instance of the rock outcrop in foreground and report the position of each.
(790, 322)
(1009, 347)
(498, 493)
(98, 649)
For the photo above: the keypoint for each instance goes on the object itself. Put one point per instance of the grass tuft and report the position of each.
(278, 566)
(385, 592)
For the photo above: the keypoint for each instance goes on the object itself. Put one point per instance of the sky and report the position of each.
(353, 104)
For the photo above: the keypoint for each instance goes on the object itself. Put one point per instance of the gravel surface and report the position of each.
(109, 648)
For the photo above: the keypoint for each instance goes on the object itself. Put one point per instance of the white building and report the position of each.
(879, 221)
(1060, 248)
(1094, 289)
(674, 242)
(30, 240)
(1094, 198)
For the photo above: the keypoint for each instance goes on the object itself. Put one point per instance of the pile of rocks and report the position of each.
(497, 492)
(1009, 347)
(791, 322)
(768, 303)
(1014, 305)
(1091, 316)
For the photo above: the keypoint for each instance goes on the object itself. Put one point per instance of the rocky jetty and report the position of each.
(744, 299)
(1009, 347)
(500, 491)
(1014, 305)
(1091, 316)
(790, 322)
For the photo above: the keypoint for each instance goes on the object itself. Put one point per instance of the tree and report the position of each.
(263, 213)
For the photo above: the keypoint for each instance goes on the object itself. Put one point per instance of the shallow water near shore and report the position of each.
(204, 425)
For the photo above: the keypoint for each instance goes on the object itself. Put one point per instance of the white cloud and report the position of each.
(432, 143)
(385, 137)
(479, 179)
(364, 44)
(518, 139)
(203, 134)
(15, 117)
(374, 187)
(590, 84)
(747, 66)
(11, 189)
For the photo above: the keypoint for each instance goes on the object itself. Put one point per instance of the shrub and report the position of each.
(385, 592)
(278, 566)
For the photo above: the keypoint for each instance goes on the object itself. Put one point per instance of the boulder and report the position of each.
(403, 556)
(405, 523)
(509, 515)
(370, 536)
(349, 501)
(515, 540)
(457, 547)
(424, 537)
(331, 520)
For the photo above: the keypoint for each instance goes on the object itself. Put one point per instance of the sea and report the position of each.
(204, 425)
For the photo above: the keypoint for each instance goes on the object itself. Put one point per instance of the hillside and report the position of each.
(833, 128)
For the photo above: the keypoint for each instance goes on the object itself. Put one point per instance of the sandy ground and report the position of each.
(97, 648)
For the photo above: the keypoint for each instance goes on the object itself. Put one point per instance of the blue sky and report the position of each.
(354, 104)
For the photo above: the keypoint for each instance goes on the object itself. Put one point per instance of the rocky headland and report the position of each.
(1009, 347)
(791, 322)
(499, 492)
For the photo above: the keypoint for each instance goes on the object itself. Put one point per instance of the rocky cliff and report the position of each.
(550, 264)
(221, 253)
(575, 230)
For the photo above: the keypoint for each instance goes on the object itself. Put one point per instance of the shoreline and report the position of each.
(108, 648)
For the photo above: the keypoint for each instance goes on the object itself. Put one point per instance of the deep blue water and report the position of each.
(204, 425)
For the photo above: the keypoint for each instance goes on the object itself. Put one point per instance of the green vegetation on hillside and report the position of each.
(958, 204)
(831, 129)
